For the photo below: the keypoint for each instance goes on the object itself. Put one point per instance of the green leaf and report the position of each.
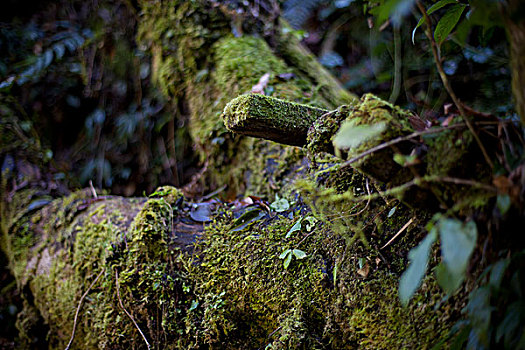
(295, 227)
(448, 280)
(413, 275)
(497, 272)
(59, 50)
(430, 10)
(440, 4)
(194, 305)
(287, 261)
(7, 83)
(512, 320)
(285, 253)
(392, 211)
(405, 160)
(48, 58)
(299, 254)
(458, 241)
(350, 135)
(448, 22)
(310, 223)
(335, 273)
(280, 205)
(479, 311)
(362, 262)
(246, 219)
(38, 203)
(460, 338)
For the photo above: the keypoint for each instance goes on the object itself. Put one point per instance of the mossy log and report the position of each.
(117, 273)
(313, 128)
(270, 118)
(111, 272)
(200, 64)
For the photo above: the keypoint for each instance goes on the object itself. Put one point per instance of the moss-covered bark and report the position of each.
(269, 118)
(231, 289)
(202, 65)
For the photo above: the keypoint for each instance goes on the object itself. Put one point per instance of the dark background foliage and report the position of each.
(83, 82)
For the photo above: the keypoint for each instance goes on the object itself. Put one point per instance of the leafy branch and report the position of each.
(443, 75)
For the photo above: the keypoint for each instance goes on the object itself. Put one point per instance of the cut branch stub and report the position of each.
(270, 118)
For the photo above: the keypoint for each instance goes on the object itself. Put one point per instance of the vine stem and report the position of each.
(420, 182)
(79, 306)
(446, 82)
(397, 140)
(127, 313)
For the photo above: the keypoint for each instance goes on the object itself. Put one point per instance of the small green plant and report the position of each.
(307, 223)
(289, 253)
(495, 313)
(280, 204)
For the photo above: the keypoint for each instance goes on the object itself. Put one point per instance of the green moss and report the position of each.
(239, 65)
(380, 165)
(172, 195)
(320, 136)
(83, 237)
(247, 299)
(199, 64)
(447, 151)
(270, 118)
(454, 153)
(233, 291)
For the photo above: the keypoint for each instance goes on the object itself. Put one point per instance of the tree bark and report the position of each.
(513, 15)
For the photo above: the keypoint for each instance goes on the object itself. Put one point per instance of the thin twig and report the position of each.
(305, 237)
(421, 181)
(447, 85)
(79, 306)
(211, 194)
(343, 215)
(411, 136)
(398, 233)
(397, 140)
(457, 181)
(127, 313)
(275, 331)
(92, 188)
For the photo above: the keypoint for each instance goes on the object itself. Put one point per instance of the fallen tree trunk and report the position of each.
(111, 272)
